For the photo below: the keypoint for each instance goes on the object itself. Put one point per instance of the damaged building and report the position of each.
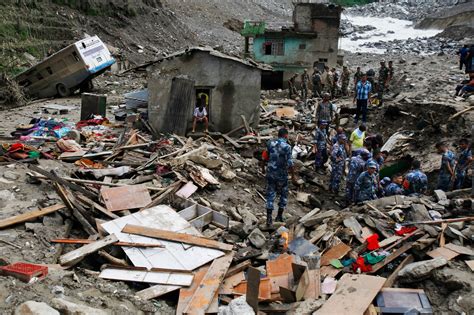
(311, 39)
(230, 85)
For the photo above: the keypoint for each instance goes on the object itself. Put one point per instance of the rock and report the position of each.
(419, 270)
(58, 290)
(70, 308)
(237, 306)
(315, 202)
(35, 308)
(247, 216)
(343, 121)
(470, 100)
(454, 279)
(228, 175)
(6, 195)
(419, 213)
(11, 175)
(457, 225)
(441, 197)
(217, 206)
(319, 218)
(307, 307)
(302, 197)
(257, 238)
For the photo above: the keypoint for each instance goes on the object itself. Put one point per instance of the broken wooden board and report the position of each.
(155, 291)
(24, 217)
(470, 264)
(175, 255)
(265, 288)
(185, 294)
(462, 250)
(176, 237)
(280, 272)
(442, 252)
(329, 271)
(227, 287)
(160, 276)
(201, 151)
(125, 197)
(187, 190)
(314, 286)
(336, 252)
(209, 285)
(252, 294)
(353, 295)
(391, 258)
(390, 240)
(77, 255)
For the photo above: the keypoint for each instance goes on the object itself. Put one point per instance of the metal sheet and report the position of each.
(174, 256)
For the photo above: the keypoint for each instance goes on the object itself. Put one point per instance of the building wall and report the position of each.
(235, 88)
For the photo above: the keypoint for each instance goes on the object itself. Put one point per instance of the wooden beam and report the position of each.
(155, 291)
(246, 124)
(209, 285)
(30, 215)
(77, 255)
(253, 286)
(86, 241)
(232, 141)
(238, 268)
(391, 258)
(176, 237)
(97, 206)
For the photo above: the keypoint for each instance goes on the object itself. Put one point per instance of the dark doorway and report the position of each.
(272, 80)
(206, 94)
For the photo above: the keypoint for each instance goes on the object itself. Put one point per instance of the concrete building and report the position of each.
(231, 86)
(312, 38)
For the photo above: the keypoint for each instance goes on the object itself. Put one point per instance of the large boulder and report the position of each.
(70, 308)
(420, 270)
(35, 308)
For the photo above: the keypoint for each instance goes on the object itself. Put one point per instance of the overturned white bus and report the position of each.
(67, 70)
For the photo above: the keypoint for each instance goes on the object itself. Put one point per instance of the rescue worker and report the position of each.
(338, 159)
(345, 77)
(357, 76)
(446, 172)
(464, 161)
(292, 86)
(382, 80)
(325, 110)
(357, 138)
(356, 167)
(391, 72)
(366, 184)
(320, 146)
(416, 182)
(395, 187)
(304, 84)
(334, 82)
(279, 162)
(317, 85)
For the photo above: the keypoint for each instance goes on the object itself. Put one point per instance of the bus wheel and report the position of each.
(87, 86)
(62, 90)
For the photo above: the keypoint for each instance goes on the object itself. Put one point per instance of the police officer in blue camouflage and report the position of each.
(395, 187)
(464, 161)
(416, 182)
(320, 145)
(356, 167)
(366, 184)
(446, 172)
(338, 160)
(279, 162)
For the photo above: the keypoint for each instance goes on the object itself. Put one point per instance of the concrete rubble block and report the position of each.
(307, 307)
(454, 279)
(441, 197)
(257, 238)
(419, 213)
(319, 218)
(35, 308)
(302, 197)
(228, 175)
(420, 270)
(237, 306)
(70, 308)
(11, 175)
(247, 216)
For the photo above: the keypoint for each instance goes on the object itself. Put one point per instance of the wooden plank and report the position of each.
(87, 241)
(24, 217)
(125, 197)
(371, 310)
(265, 288)
(209, 285)
(442, 252)
(156, 291)
(77, 255)
(391, 258)
(302, 286)
(246, 124)
(227, 286)
(176, 237)
(460, 249)
(314, 286)
(185, 294)
(97, 206)
(391, 279)
(187, 190)
(335, 252)
(329, 271)
(232, 141)
(253, 288)
(390, 240)
(470, 264)
(353, 295)
(238, 268)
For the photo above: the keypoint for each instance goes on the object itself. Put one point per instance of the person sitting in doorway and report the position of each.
(200, 115)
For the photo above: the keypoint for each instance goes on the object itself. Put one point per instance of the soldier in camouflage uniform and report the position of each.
(279, 162)
(416, 182)
(305, 84)
(356, 167)
(446, 175)
(464, 161)
(357, 76)
(395, 187)
(338, 159)
(320, 145)
(345, 77)
(292, 86)
(365, 187)
(382, 81)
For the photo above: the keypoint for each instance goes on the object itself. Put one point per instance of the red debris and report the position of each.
(24, 271)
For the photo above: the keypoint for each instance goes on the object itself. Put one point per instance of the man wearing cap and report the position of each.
(395, 187)
(279, 162)
(320, 146)
(416, 182)
(383, 80)
(338, 159)
(356, 167)
(446, 175)
(365, 186)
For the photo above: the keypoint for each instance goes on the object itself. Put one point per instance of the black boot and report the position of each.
(269, 217)
(279, 217)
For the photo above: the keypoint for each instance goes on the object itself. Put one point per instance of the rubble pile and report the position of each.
(426, 45)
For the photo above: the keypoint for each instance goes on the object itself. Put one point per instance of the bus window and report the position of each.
(74, 54)
(25, 83)
(39, 76)
(50, 71)
(99, 59)
(84, 45)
